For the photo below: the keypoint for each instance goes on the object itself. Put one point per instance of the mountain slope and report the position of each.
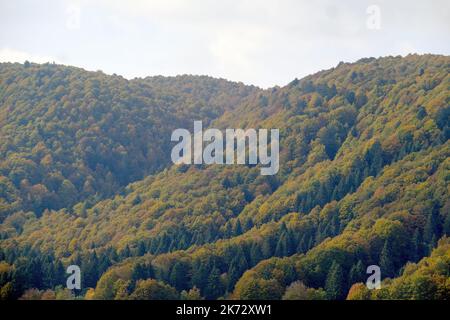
(67, 135)
(362, 145)
(426, 280)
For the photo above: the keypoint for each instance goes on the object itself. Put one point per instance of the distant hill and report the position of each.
(85, 178)
(68, 135)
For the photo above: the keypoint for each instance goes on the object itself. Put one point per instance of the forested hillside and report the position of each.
(67, 135)
(85, 178)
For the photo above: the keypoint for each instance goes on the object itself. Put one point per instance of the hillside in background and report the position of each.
(67, 135)
(85, 178)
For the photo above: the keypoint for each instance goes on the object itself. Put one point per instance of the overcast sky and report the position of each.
(260, 42)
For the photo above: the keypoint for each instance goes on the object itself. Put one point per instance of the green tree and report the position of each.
(386, 264)
(237, 228)
(192, 294)
(431, 230)
(417, 245)
(214, 287)
(357, 273)
(335, 283)
(151, 289)
(446, 227)
(180, 275)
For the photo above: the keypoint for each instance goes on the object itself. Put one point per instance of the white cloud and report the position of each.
(235, 51)
(12, 55)
(261, 42)
(73, 16)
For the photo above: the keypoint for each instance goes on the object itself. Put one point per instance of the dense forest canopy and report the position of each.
(85, 178)
(68, 135)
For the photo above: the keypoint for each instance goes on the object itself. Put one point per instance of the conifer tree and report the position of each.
(356, 273)
(179, 276)
(417, 251)
(214, 287)
(386, 265)
(237, 228)
(446, 227)
(334, 284)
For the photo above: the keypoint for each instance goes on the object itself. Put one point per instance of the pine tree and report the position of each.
(356, 273)
(386, 265)
(60, 274)
(289, 274)
(200, 276)
(303, 244)
(311, 242)
(417, 251)
(256, 254)
(142, 271)
(226, 183)
(334, 284)
(89, 271)
(228, 230)
(429, 229)
(138, 273)
(125, 253)
(248, 224)
(447, 225)
(237, 228)
(433, 243)
(104, 263)
(36, 273)
(237, 267)
(335, 225)
(214, 287)
(48, 273)
(282, 248)
(179, 276)
(430, 232)
(141, 249)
